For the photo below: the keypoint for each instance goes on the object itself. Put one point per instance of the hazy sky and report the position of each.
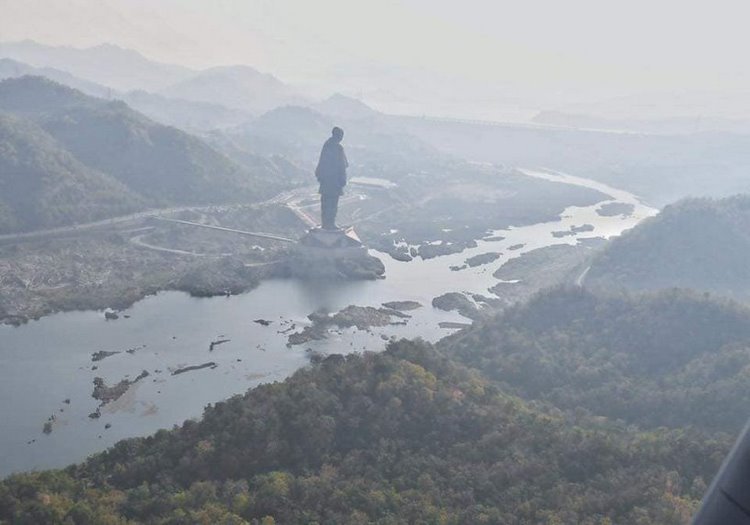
(553, 47)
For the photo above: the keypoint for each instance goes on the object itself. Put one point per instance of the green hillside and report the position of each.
(702, 244)
(42, 185)
(399, 437)
(673, 359)
(168, 165)
(33, 96)
(163, 164)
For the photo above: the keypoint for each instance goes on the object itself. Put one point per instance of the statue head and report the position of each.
(337, 133)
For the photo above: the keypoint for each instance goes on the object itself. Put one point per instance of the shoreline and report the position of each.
(257, 352)
(83, 301)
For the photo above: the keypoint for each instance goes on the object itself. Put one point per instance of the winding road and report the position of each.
(291, 198)
(62, 231)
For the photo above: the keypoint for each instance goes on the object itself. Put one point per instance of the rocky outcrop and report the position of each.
(582, 228)
(216, 343)
(402, 306)
(102, 354)
(360, 317)
(482, 258)
(612, 209)
(453, 325)
(106, 394)
(335, 264)
(190, 368)
(365, 268)
(228, 276)
(455, 301)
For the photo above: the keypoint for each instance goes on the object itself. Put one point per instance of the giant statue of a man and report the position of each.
(331, 174)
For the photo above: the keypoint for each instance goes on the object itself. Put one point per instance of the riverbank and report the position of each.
(174, 331)
(116, 268)
(92, 274)
(113, 268)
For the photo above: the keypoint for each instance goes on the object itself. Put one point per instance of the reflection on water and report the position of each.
(47, 362)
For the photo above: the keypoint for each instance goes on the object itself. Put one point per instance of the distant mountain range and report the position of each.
(106, 64)
(123, 70)
(703, 244)
(153, 164)
(199, 101)
(660, 168)
(10, 68)
(184, 114)
(240, 87)
(341, 106)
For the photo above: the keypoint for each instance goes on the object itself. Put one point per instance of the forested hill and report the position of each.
(42, 185)
(399, 437)
(672, 359)
(160, 164)
(703, 244)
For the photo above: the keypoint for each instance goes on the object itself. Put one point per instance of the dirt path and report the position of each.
(138, 241)
(582, 277)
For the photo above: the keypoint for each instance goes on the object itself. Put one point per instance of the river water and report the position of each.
(46, 366)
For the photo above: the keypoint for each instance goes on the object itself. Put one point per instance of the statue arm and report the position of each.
(344, 165)
(318, 168)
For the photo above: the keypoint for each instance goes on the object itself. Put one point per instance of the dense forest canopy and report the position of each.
(574, 408)
(701, 244)
(674, 359)
(405, 436)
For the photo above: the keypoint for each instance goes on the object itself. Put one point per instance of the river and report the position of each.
(46, 366)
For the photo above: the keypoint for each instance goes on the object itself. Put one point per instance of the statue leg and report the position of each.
(334, 210)
(328, 207)
(323, 215)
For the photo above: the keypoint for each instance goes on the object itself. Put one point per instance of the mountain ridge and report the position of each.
(107, 64)
(242, 87)
(43, 185)
(160, 164)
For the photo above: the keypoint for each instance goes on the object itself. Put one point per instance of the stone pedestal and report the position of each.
(334, 254)
(341, 239)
